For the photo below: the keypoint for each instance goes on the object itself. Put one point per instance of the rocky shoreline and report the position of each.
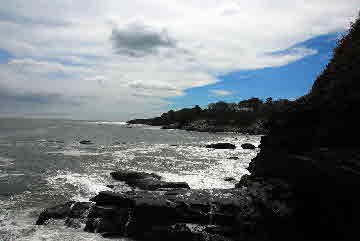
(172, 211)
(257, 128)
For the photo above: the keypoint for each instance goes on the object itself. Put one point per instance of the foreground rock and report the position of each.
(179, 214)
(221, 146)
(146, 181)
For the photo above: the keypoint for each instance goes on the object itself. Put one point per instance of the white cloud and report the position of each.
(91, 48)
(221, 92)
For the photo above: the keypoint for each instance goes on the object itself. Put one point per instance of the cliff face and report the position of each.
(314, 146)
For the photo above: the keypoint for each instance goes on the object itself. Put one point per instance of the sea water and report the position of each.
(43, 164)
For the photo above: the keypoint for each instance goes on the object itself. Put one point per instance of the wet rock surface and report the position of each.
(71, 210)
(86, 142)
(146, 181)
(248, 146)
(221, 146)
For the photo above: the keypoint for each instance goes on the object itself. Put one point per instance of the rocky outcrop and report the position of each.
(232, 214)
(157, 121)
(146, 181)
(221, 146)
(257, 128)
(313, 145)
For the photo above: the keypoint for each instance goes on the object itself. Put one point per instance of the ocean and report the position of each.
(43, 164)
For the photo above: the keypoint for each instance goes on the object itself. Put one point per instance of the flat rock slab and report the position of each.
(146, 181)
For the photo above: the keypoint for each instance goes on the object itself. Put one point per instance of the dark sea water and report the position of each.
(42, 164)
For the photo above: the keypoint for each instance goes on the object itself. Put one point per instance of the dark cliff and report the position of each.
(314, 146)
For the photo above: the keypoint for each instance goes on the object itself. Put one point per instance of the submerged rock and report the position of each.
(229, 179)
(233, 158)
(86, 142)
(221, 146)
(123, 175)
(248, 146)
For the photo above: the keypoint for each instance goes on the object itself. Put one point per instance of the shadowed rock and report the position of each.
(248, 146)
(221, 146)
(313, 145)
(146, 181)
(70, 209)
(178, 214)
(86, 142)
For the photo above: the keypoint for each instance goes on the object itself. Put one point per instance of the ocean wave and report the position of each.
(76, 153)
(5, 162)
(200, 167)
(18, 225)
(109, 123)
(84, 186)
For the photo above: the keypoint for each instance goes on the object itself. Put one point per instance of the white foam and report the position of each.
(76, 153)
(200, 167)
(5, 162)
(18, 225)
(109, 123)
(86, 185)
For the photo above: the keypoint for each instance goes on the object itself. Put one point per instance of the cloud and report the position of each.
(137, 40)
(221, 92)
(132, 56)
(19, 19)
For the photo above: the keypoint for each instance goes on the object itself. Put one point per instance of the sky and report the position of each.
(118, 60)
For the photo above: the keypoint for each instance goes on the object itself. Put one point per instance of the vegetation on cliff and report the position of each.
(219, 116)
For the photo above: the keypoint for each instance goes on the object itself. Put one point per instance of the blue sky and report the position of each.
(116, 60)
(289, 81)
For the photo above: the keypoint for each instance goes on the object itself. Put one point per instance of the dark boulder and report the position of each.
(123, 175)
(112, 198)
(73, 223)
(229, 179)
(86, 142)
(233, 158)
(248, 146)
(58, 212)
(173, 185)
(243, 181)
(146, 181)
(71, 209)
(221, 146)
(79, 209)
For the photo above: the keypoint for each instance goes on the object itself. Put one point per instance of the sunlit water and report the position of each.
(43, 164)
